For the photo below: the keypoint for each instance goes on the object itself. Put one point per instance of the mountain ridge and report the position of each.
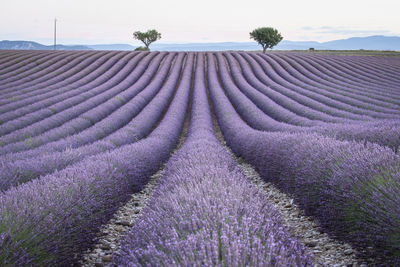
(376, 42)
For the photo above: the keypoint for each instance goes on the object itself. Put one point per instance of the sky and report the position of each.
(185, 21)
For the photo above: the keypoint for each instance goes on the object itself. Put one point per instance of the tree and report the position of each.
(147, 37)
(267, 37)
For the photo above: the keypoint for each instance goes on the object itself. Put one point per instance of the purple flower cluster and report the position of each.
(352, 188)
(205, 212)
(267, 112)
(21, 167)
(114, 93)
(48, 220)
(80, 131)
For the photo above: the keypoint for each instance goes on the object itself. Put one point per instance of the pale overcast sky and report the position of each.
(100, 21)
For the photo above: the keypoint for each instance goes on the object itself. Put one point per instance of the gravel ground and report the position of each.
(327, 251)
(111, 234)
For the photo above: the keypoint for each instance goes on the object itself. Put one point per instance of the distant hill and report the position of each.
(376, 42)
(122, 47)
(368, 43)
(28, 45)
(355, 43)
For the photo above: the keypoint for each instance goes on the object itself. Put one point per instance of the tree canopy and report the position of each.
(267, 37)
(147, 37)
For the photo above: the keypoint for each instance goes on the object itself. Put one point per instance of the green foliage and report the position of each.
(267, 37)
(147, 37)
(141, 48)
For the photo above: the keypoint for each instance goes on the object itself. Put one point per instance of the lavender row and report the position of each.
(68, 207)
(352, 189)
(88, 112)
(373, 91)
(235, 80)
(48, 96)
(384, 65)
(58, 66)
(364, 71)
(48, 92)
(330, 68)
(35, 62)
(283, 99)
(333, 99)
(35, 90)
(365, 95)
(21, 167)
(16, 62)
(205, 212)
(17, 81)
(349, 75)
(303, 98)
(384, 132)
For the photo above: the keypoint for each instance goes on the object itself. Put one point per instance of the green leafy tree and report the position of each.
(147, 37)
(267, 37)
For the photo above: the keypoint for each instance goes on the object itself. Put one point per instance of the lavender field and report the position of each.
(83, 131)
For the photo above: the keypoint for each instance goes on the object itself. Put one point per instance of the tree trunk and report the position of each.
(264, 49)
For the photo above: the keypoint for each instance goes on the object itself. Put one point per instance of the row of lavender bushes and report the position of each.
(335, 86)
(57, 65)
(331, 102)
(205, 212)
(32, 99)
(353, 189)
(272, 118)
(24, 166)
(48, 220)
(25, 127)
(18, 59)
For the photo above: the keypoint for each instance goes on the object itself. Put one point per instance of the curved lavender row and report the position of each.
(30, 65)
(90, 82)
(19, 61)
(383, 65)
(388, 90)
(282, 99)
(7, 55)
(205, 212)
(108, 88)
(265, 104)
(334, 83)
(17, 77)
(304, 98)
(68, 207)
(331, 65)
(359, 77)
(320, 67)
(35, 90)
(352, 189)
(86, 114)
(52, 98)
(38, 90)
(21, 167)
(362, 71)
(42, 75)
(324, 97)
(254, 116)
(384, 132)
(330, 97)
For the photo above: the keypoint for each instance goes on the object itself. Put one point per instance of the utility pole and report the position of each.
(55, 32)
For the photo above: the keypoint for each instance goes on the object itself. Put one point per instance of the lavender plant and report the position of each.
(205, 212)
